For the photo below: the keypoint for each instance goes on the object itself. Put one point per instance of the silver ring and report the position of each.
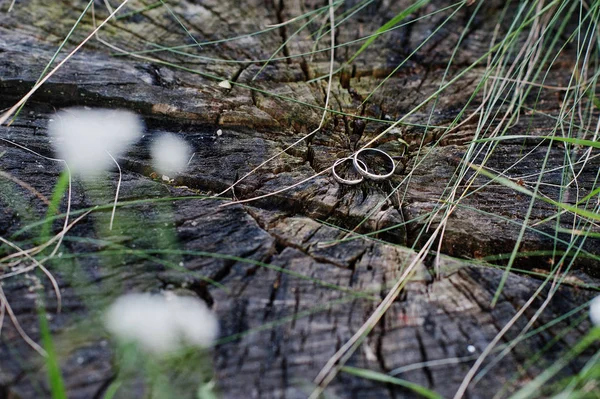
(341, 179)
(365, 172)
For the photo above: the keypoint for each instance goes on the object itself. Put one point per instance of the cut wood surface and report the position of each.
(286, 302)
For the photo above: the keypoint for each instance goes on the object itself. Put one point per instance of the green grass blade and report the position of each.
(581, 142)
(58, 50)
(59, 190)
(141, 10)
(388, 25)
(510, 184)
(380, 377)
(571, 140)
(533, 388)
(57, 386)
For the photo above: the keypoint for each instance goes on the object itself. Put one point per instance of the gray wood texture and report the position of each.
(293, 317)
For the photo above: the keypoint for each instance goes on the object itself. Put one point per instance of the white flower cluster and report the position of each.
(90, 140)
(595, 311)
(170, 155)
(162, 323)
(87, 138)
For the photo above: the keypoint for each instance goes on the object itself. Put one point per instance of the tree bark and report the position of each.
(281, 323)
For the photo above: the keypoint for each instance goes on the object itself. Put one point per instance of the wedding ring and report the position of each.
(363, 171)
(341, 179)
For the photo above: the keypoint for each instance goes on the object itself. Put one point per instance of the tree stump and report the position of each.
(286, 302)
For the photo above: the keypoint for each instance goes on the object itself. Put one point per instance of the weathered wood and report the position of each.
(312, 316)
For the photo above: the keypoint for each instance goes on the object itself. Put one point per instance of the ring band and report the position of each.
(365, 172)
(341, 179)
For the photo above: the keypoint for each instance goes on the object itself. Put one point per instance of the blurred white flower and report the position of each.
(87, 138)
(170, 155)
(595, 311)
(162, 323)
